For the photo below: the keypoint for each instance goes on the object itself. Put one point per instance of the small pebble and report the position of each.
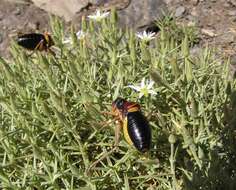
(1, 16)
(226, 4)
(33, 25)
(1, 38)
(232, 13)
(228, 37)
(179, 11)
(208, 32)
(99, 2)
(192, 18)
(233, 2)
(168, 1)
(17, 11)
(195, 2)
(196, 50)
(194, 12)
(233, 60)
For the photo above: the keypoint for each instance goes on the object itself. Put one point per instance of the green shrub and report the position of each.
(51, 130)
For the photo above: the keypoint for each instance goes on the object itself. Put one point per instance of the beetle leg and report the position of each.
(117, 137)
(104, 124)
(117, 133)
(108, 113)
(51, 52)
(149, 115)
(107, 123)
(99, 160)
(37, 47)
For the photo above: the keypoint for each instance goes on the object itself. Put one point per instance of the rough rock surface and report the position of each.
(66, 9)
(141, 13)
(216, 19)
(133, 13)
(18, 18)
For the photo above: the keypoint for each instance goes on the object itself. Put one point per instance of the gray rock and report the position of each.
(233, 60)
(192, 19)
(227, 37)
(232, 13)
(141, 13)
(233, 66)
(233, 3)
(168, 1)
(132, 13)
(1, 38)
(195, 51)
(195, 2)
(179, 11)
(66, 9)
(108, 4)
(226, 4)
(99, 2)
(17, 11)
(1, 16)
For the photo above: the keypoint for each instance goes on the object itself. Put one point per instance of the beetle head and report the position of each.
(49, 39)
(118, 103)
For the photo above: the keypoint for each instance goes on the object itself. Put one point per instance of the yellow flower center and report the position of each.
(144, 91)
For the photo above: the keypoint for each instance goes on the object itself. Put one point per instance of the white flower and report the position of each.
(144, 89)
(67, 41)
(80, 36)
(146, 36)
(98, 16)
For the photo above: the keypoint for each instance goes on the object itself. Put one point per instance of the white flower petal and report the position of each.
(146, 36)
(98, 15)
(145, 88)
(105, 14)
(67, 41)
(80, 34)
(152, 92)
(151, 34)
(151, 83)
(143, 83)
(139, 35)
(141, 95)
(137, 88)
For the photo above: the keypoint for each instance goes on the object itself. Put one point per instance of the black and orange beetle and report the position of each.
(135, 126)
(36, 41)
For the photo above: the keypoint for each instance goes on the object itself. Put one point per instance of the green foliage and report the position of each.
(176, 31)
(51, 123)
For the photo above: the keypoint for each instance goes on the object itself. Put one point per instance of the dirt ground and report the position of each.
(16, 18)
(216, 20)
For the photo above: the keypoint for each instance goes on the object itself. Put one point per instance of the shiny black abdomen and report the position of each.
(139, 131)
(30, 41)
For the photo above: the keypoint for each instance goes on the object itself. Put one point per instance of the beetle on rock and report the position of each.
(36, 41)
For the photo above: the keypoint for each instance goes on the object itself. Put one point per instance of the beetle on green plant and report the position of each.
(135, 126)
(136, 129)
